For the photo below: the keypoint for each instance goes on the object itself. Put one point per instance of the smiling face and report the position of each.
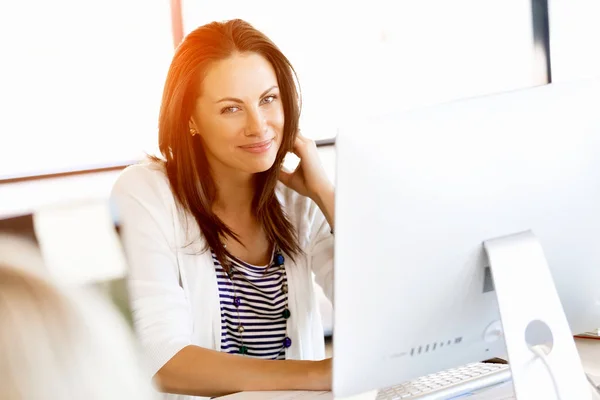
(239, 114)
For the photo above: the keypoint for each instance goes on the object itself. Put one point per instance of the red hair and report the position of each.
(184, 157)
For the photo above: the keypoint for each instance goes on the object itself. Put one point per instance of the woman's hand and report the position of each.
(309, 179)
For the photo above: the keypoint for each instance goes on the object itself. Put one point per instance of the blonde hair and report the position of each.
(64, 343)
(21, 252)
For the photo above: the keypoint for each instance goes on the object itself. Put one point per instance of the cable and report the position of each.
(539, 351)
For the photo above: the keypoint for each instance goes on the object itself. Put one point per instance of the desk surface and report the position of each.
(589, 351)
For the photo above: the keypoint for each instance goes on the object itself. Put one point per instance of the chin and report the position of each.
(255, 164)
(260, 165)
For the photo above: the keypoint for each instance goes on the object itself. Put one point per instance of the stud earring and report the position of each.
(193, 132)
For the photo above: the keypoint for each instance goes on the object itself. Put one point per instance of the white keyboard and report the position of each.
(449, 383)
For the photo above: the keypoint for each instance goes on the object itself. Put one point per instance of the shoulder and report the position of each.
(144, 186)
(143, 173)
(146, 179)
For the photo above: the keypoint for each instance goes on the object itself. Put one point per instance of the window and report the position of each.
(81, 82)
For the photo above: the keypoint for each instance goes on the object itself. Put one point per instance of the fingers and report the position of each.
(302, 145)
(304, 139)
(298, 148)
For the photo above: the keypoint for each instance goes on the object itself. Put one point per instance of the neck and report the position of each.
(234, 193)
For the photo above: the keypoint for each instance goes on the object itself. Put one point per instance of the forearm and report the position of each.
(203, 372)
(325, 199)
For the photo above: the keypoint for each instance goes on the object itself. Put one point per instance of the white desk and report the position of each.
(589, 351)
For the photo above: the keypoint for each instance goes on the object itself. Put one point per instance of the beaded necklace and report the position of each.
(279, 262)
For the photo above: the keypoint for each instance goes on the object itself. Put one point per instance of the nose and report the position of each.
(256, 123)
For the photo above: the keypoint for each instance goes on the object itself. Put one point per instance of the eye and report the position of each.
(269, 99)
(230, 110)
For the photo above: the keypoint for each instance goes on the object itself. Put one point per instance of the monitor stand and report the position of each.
(532, 314)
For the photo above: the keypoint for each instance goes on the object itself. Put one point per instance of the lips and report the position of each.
(257, 145)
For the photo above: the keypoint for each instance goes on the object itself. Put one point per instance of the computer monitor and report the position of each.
(417, 195)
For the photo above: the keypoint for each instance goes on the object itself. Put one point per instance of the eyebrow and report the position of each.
(240, 101)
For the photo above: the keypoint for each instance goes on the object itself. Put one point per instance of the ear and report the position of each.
(193, 127)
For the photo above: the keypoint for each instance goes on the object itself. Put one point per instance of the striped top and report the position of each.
(262, 302)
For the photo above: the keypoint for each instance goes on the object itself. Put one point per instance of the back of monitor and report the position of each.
(417, 194)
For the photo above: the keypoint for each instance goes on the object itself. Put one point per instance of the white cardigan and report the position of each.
(172, 283)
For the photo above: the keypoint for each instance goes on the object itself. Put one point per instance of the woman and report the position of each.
(222, 253)
(61, 345)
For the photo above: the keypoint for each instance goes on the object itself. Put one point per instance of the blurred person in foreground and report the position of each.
(60, 343)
